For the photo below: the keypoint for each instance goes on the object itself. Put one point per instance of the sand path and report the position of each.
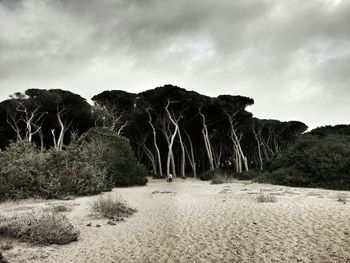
(199, 222)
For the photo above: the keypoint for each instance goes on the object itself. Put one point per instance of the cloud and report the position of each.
(292, 57)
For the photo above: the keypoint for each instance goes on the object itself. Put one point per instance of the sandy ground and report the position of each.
(199, 222)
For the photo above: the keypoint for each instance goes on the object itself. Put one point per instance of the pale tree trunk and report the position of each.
(62, 131)
(190, 155)
(217, 154)
(237, 145)
(207, 143)
(259, 144)
(172, 139)
(183, 153)
(31, 120)
(155, 142)
(58, 144)
(150, 156)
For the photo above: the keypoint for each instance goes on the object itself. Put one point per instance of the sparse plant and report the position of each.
(39, 227)
(111, 208)
(342, 197)
(265, 198)
(221, 177)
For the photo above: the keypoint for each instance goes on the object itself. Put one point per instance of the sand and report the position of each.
(194, 221)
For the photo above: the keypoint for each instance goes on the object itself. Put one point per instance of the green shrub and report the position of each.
(313, 162)
(116, 157)
(21, 171)
(39, 227)
(73, 171)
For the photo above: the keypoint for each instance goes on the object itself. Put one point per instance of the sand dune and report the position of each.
(193, 221)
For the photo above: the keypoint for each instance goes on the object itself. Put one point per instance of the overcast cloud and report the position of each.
(292, 56)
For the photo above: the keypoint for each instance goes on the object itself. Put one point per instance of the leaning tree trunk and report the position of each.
(237, 145)
(207, 143)
(183, 155)
(256, 135)
(190, 155)
(155, 143)
(171, 141)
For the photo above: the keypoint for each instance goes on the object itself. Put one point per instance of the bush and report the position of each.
(99, 161)
(116, 157)
(208, 175)
(39, 227)
(250, 175)
(221, 177)
(111, 208)
(21, 171)
(313, 162)
(73, 171)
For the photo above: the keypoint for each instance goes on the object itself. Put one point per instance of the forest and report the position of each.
(55, 143)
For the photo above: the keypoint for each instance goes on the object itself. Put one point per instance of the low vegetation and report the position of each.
(265, 198)
(111, 208)
(221, 177)
(313, 161)
(97, 162)
(342, 198)
(39, 227)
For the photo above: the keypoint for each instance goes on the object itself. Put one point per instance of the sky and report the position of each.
(292, 57)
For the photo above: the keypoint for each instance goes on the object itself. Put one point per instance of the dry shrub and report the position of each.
(61, 209)
(111, 208)
(221, 177)
(265, 198)
(39, 227)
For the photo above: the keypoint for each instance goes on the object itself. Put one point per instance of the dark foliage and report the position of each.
(116, 157)
(313, 162)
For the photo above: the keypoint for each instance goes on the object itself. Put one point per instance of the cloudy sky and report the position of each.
(291, 56)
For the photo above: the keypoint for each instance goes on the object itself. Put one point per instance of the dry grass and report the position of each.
(61, 209)
(342, 197)
(111, 208)
(39, 227)
(265, 198)
(222, 178)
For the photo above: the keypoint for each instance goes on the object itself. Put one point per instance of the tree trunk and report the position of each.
(171, 143)
(155, 143)
(190, 155)
(207, 142)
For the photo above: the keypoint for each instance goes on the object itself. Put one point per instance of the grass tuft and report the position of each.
(221, 177)
(265, 198)
(111, 208)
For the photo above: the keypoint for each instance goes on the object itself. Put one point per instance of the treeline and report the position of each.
(171, 130)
